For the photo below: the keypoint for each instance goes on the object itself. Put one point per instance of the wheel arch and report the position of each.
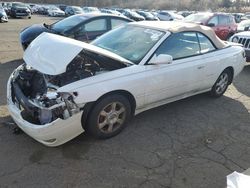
(231, 69)
(89, 106)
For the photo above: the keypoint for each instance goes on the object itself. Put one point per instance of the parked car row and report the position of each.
(64, 10)
(99, 23)
(15, 10)
(19, 10)
(223, 24)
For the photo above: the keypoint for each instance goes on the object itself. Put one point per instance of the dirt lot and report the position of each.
(192, 143)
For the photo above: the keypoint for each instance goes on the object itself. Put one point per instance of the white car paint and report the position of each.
(151, 85)
(169, 16)
(55, 11)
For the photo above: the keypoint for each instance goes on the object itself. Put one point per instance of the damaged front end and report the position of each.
(35, 99)
(36, 93)
(38, 99)
(36, 106)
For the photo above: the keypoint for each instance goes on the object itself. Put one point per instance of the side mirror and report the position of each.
(211, 25)
(161, 59)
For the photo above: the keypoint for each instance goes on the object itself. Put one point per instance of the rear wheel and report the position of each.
(221, 83)
(109, 116)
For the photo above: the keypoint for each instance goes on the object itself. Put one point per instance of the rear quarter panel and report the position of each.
(231, 56)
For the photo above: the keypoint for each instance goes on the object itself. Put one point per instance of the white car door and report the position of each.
(212, 59)
(183, 76)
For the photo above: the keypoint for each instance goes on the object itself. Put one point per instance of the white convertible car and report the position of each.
(67, 86)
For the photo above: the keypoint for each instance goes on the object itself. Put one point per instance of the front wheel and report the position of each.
(109, 116)
(221, 83)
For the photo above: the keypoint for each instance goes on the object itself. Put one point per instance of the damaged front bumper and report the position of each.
(54, 133)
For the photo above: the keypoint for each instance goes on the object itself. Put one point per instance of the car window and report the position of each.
(67, 23)
(223, 20)
(164, 13)
(180, 45)
(96, 25)
(214, 20)
(205, 44)
(117, 22)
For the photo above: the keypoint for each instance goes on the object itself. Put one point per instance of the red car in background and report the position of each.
(223, 24)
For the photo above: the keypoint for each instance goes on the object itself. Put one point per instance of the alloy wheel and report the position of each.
(222, 83)
(111, 117)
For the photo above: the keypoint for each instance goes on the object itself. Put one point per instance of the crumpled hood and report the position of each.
(50, 53)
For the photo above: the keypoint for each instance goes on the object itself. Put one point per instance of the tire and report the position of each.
(222, 83)
(108, 117)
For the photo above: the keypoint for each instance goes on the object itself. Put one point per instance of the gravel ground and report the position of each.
(192, 143)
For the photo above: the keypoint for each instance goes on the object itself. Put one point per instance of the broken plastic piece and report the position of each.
(238, 180)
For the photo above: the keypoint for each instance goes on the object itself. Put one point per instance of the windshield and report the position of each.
(130, 42)
(54, 8)
(77, 9)
(134, 14)
(19, 5)
(67, 23)
(198, 18)
(148, 14)
(145, 14)
(93, 9)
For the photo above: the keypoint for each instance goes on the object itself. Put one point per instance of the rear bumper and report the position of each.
(50, 134)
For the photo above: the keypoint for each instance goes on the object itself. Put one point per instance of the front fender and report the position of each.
(91, 89)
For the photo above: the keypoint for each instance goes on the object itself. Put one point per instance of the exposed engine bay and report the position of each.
(36, 93)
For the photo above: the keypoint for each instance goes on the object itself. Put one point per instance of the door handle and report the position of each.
(201, 67)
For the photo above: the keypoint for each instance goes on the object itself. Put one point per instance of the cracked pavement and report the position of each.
(195, 142)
